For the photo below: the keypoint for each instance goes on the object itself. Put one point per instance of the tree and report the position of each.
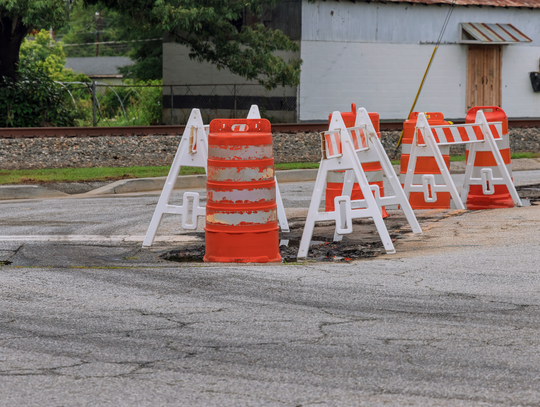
(90, 25)
(17, 19)
(87, 24)
(213, 30)
(47, 54)
(35, 100)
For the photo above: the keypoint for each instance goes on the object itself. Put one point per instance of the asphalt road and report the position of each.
(452, 319)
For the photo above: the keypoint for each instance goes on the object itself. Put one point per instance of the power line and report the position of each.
(111, 42)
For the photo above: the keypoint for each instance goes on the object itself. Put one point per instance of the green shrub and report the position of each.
(36, 100)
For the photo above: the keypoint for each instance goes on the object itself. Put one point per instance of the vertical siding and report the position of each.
(375, 54)
(403, 23)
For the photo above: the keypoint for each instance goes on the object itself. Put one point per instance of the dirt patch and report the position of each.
(363, 243)
(530, 192)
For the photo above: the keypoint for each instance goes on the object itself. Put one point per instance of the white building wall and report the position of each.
(375, 54)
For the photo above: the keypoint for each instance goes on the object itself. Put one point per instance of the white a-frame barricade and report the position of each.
(193, 152)
(341, 149)
(375, 152)
(426, 142)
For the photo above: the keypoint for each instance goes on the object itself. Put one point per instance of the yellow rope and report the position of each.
(418, 93)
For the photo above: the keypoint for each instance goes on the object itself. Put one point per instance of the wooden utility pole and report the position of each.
(98, 13)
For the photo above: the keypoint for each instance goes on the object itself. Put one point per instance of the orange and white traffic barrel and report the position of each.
(373, 170)
(424, 165)
(500, 198)
(241, 211)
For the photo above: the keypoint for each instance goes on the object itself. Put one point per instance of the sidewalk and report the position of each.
(139, 185)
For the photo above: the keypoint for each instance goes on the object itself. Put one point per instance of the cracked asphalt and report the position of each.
(452, 319)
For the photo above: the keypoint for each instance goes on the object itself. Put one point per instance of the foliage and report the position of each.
(20, 17)
(35, 100)
(83, 26)
(148, 59)
(213, 30)
(35, 13)
(47, 54)
(149, 109)
(141, 103)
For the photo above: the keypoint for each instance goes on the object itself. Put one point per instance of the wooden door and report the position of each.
(484, 75)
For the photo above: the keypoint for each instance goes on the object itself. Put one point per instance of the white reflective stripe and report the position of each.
(333, 143)
(339, 177)
(417, 178)
(477, 171)
(235, 174)
(464, 133)
(358, 136)
(445, 150)
(242, 218)
(374, 176)
(458, 134)
(496, 130)
(503, 144)
(406, 148)
(335, 176)
(240, 152)
(242, 195)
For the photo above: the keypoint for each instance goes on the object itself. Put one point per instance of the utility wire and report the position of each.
(111, 42)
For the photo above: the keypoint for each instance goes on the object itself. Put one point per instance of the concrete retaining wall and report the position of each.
(37, 153)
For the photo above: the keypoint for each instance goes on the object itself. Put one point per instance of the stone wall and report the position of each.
(37, 153)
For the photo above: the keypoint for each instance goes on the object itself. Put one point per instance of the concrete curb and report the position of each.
(127, 186)
(197, 181)
(188, 181)
(28, 192)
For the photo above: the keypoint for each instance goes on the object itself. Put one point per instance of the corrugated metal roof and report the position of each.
(493, 3)
(482, 33)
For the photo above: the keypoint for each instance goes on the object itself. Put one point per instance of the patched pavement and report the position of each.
(87, 317)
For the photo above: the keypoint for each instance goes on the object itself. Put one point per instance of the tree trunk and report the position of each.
(12, 33)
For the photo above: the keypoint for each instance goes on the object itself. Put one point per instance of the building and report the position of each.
(374, 53)
(99, 69)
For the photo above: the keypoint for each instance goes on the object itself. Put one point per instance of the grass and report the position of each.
(513, 156)
(107, 173)
(116, 173)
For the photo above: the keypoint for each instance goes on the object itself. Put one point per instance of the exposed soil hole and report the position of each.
(363, 243)
(321, 249)
(530, 192)
(192, 254)
(5, 263)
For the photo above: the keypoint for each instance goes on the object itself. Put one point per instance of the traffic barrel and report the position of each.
(500, 198)
(241, 211)
(373, 170)
(424, 165)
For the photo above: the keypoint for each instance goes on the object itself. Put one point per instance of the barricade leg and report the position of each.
(282, 217)
(313, 210)
(163, 202)
(254, 113)
(372, 206)
(393, 180)
(192, 151)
